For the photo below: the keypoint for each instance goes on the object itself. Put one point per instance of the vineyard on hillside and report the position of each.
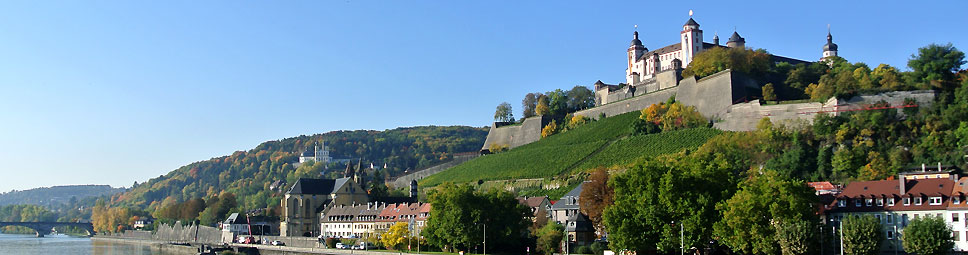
(565, 152)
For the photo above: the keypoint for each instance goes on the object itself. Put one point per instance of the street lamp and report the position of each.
(682, 243)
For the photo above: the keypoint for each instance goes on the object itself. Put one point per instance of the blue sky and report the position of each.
(112, 92)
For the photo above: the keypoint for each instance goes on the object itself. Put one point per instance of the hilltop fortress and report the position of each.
(727, 98)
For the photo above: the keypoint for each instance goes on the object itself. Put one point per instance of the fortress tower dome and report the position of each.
(736, 41)
(635, 39)
(829, 49)
(716, 39)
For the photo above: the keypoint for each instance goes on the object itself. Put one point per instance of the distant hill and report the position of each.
(56, 195)
(250, 174)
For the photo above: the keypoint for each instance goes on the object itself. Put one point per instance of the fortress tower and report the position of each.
(691, 40)
(736, 41)
(829, 49)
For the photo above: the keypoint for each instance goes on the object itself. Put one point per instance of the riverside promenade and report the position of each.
(193, 248)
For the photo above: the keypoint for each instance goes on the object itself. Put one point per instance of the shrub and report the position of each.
(584, 249)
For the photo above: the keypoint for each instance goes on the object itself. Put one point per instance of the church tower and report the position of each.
(636, 49)
(829, 49)
(691, 40)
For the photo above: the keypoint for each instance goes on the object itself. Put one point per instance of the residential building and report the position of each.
(566, 206)
(580, 230)
(372, 219)
(536, 204)
(238, 224)
(896, 202)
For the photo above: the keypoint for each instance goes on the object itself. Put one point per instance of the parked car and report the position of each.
(246, 240)
(278, 243)
(341, 246)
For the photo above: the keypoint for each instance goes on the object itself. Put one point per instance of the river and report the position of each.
(62, 244)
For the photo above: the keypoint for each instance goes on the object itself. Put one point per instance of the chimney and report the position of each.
(900, 179)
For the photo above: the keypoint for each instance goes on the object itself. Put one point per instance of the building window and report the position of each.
(878, 216)
(880, 202)
(890, 201)
(956, 200)
(917, 201)
(956, 235)
(868, 201)
(890, 219)
(934, 200)
(907, 201)
(954, 217)
(890, 234)
(856, 202)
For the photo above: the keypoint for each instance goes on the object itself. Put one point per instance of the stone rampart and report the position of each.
(745, 116)
(513, 136)
(404, 181)
(628, 105)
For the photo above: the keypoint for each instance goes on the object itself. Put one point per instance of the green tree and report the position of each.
(936, 62)
(928, 236)
(654, 193)
(549, 238)
(754, 63)
(504, 112)
(749, 216)
(528, 104)
(862, 235)
(557, 103)
(768, 92)
(797, 237)
(460, 214)
(580, 98)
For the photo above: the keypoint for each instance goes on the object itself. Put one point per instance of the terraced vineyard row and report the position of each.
(554, 155)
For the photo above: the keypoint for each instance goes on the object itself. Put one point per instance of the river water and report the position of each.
(62, 244)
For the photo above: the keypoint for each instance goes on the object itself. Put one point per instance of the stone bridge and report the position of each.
(44, 228)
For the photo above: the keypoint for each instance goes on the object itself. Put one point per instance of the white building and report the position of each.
(317, 154)
(896, 202)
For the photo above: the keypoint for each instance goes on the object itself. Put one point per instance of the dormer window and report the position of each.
(907, 201)
(917, 201)
(842, 203)
(868, 201)
(880, 202)
(934, 200)
(956, 200)
(856, 202)
(890, 201)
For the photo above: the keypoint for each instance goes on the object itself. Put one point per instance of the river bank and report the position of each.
(153, 244)
(241, 248)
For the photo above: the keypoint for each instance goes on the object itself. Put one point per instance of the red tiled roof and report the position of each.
(886, 189)
(818, 186)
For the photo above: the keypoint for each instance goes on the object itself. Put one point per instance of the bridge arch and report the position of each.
(44, 228)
